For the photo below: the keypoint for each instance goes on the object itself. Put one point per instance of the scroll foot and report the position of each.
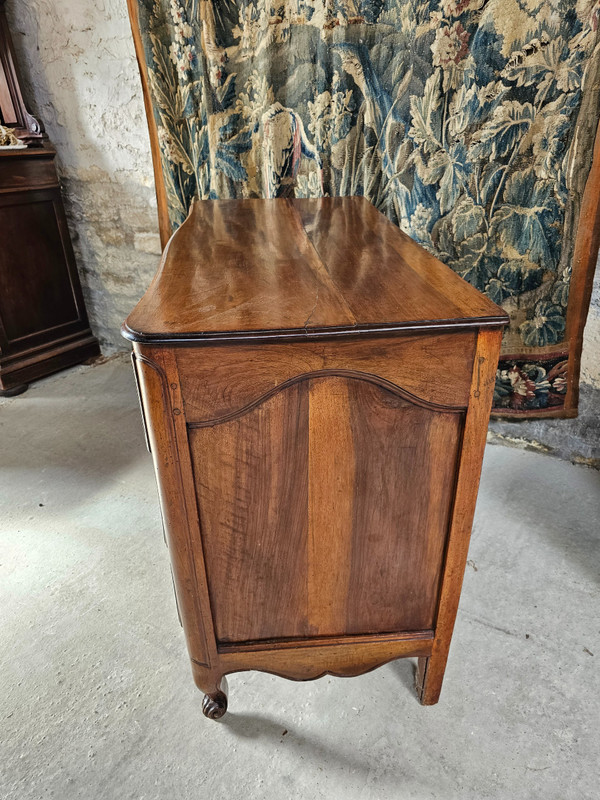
(214, 704)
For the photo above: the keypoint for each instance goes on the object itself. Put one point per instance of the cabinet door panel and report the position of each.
(324, 510)
(39, 291)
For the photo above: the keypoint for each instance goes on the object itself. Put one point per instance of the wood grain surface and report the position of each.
(251, 483)
(431, 671)
(247, 269)
(435, 368)
(328, 502)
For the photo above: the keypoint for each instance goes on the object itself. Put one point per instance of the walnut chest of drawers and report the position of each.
(316, 390)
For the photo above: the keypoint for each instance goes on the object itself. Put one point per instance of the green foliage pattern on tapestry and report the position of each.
(457, 118)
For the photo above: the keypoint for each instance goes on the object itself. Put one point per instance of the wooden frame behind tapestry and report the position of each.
(585, 250)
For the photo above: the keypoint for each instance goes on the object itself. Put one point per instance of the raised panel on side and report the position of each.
(405, 464)
(324, 511)
(251, 478)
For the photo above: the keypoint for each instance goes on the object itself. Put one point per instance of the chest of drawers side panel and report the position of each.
(324, 511)
(172, 399)
(431, 669)
(222, 380)
(160, 397)
(331, 468)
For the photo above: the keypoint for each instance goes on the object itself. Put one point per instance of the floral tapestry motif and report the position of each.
(459, 119)
(537, 384)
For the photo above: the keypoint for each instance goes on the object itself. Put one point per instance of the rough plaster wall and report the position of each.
(81, 79)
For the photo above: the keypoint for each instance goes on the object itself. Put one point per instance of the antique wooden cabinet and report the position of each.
(43, 321)
(316, 390)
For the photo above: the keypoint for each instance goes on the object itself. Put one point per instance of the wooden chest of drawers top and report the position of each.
(279, 269)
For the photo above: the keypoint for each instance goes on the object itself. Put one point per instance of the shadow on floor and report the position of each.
(270, 733)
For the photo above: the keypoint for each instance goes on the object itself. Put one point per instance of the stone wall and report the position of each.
(80, 77)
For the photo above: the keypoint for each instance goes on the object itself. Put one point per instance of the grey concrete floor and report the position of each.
(96, 695)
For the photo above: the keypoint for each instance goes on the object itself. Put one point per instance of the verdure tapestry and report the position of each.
(469, 123)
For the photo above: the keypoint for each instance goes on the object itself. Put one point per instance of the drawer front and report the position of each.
(220, 381)
(21, 174)
(324, 477)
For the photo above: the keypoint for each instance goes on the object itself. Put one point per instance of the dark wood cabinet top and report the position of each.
(248, 269)
(40, 152)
